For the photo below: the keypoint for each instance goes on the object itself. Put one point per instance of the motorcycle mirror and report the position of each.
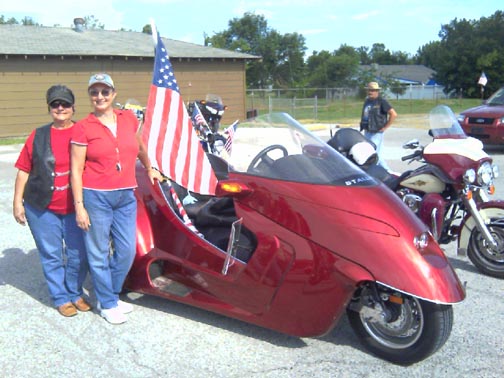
(411, 144)
(232, 188)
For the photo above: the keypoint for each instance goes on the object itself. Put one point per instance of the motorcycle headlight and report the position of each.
(485, 174)
(469, 176)
(495, 171)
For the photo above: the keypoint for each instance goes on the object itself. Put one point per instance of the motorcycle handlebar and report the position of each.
(412, 156)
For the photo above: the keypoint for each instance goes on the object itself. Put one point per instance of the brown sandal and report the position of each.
(67, 309)
(82, 305)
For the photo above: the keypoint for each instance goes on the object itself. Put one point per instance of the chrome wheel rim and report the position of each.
(402, 332)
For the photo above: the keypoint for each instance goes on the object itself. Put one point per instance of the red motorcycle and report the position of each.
(449, 191)
(295, 236)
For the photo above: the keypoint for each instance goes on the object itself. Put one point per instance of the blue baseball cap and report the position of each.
(101, 78)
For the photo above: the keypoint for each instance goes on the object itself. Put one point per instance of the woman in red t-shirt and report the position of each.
(43, 199)
(105, 146)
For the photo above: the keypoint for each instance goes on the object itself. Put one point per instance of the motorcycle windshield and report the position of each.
(444, 124)
(277, 146)
(216, 99)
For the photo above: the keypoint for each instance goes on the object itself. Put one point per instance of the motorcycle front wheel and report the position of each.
(488, 259)
(416, 330)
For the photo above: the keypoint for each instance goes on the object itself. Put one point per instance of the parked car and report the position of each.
(486, 122)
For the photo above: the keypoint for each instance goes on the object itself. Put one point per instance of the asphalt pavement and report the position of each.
(167, 339)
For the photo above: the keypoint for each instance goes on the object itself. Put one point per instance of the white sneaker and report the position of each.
(113, 315)
(124, 307)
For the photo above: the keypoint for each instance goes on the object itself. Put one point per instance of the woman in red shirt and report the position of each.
(42, 198)
(105, 146)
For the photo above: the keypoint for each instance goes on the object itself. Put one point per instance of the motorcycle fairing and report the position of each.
(455, 156)
(470, 148)
(317, 206)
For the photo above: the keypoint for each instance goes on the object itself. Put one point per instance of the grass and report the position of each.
(10, 141)
(347, 111)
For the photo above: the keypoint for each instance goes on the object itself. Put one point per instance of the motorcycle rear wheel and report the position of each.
(487, 259)
(419, 329)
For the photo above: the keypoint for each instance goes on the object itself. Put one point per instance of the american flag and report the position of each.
(229, 140)
(171, 141)
(483, 79)
(197, 117)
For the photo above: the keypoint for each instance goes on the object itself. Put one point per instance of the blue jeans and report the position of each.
(377, 139)
(112, 215)
(62, 254)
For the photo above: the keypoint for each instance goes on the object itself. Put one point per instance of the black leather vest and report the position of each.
(40, 186)
(376, 119)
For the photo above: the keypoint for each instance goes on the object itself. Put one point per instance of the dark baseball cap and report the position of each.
(60, 92)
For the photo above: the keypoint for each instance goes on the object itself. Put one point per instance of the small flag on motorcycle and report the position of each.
(230, 135)
(197, 117)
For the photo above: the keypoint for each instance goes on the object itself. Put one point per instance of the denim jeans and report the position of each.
(112, 215)
(377, 139)
(62, 254)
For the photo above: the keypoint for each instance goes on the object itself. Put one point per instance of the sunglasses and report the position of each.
(57, 104)
(104, 92)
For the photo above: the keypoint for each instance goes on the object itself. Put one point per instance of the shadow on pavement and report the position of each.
(341, 335)
(23, 271)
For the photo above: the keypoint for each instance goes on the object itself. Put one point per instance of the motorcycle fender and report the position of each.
(431, 202)
(488, 210)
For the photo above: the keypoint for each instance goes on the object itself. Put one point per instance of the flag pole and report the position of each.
(154, 31)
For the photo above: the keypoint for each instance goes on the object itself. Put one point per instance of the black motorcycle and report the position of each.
(206, 116)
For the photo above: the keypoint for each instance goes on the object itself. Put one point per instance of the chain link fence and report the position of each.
(309, 102)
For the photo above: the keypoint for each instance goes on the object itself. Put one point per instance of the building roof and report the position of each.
(43, 40)
(404, 73)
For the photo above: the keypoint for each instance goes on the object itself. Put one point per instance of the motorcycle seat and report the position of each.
(344, 139)
(389, 179)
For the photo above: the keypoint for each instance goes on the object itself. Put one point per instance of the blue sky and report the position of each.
(402, 25)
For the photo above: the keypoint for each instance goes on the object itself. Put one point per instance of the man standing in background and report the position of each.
(377, 116)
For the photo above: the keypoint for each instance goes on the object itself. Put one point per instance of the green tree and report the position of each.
(147, 29)
(28, 21)
(381, 55)
(10, 21)
(92, 22)
(466, 48)
(364, 57)
(396, 87)
(282, 61)
(337, 69)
